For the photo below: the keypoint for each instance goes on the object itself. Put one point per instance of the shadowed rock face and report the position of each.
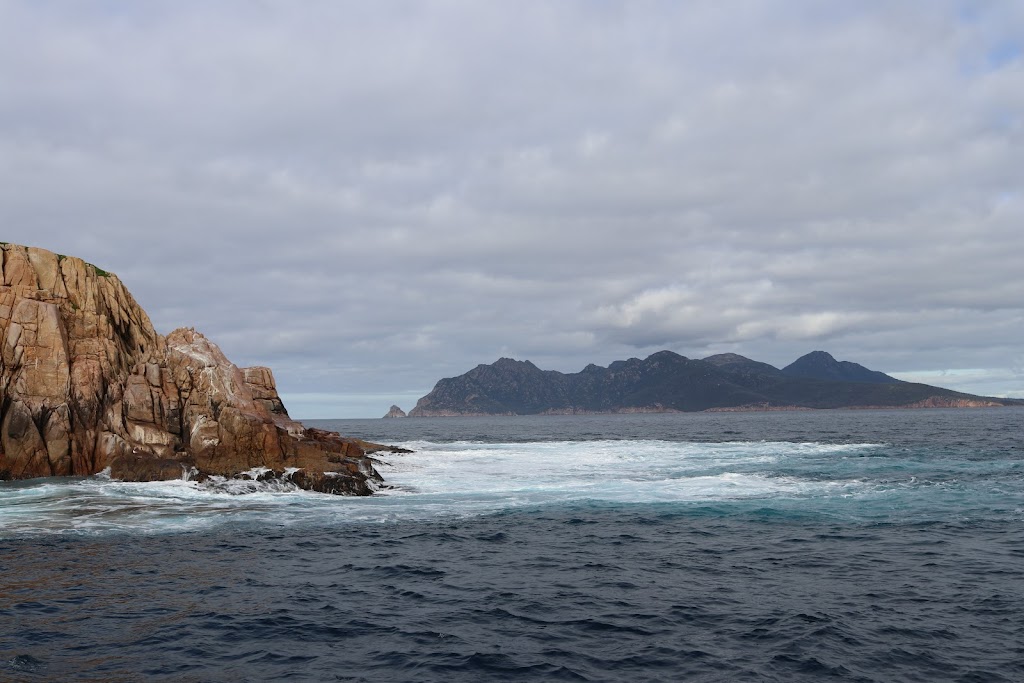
(86, 383)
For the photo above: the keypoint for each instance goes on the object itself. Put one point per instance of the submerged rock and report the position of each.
(86, 383)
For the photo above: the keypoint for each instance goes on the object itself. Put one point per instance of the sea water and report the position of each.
(831, 545)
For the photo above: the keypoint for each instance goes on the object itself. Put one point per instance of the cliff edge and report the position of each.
(87, 384)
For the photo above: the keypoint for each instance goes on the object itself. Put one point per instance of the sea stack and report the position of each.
(87, 384)
(396, 412)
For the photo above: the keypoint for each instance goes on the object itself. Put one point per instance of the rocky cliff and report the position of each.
(87, 384)
(668, 382)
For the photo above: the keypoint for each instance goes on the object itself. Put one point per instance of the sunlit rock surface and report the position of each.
(87, 384)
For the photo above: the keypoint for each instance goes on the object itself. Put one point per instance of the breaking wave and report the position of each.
(467, 478)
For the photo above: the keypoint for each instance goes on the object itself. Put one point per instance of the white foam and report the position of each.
(455, 479)
(468, 477)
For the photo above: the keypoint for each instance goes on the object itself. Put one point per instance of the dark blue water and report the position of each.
(861, 546)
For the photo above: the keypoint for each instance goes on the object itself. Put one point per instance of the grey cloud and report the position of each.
(370, 196)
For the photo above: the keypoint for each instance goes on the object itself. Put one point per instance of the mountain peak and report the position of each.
(726, 359)
(509, 365)
(665, 355)
(735, 363)
(823, 366)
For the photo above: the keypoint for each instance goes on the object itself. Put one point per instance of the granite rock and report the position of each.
(87, 384)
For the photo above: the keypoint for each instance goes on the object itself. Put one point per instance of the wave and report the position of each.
(468, 478)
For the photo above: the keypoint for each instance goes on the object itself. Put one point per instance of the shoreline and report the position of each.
(927, 404)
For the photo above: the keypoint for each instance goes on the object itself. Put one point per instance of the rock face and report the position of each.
(86, 383)
(396, 412)
(668, 382)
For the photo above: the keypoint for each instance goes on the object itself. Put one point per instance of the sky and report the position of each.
(370, 196)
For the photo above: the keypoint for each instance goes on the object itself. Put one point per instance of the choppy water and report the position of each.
(846, 545)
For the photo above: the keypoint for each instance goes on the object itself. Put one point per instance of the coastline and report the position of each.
(926, 404)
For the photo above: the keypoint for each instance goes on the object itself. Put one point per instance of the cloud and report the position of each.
(371, 196)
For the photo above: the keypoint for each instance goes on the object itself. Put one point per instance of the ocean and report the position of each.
(790, 546)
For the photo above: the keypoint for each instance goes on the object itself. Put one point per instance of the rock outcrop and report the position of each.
(87, 384)
(395, 411)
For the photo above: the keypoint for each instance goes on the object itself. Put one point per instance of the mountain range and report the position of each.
(668, 382)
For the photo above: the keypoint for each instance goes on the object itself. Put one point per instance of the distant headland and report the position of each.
(668, 382)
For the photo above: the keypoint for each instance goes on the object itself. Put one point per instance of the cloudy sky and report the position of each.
(369, 196)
